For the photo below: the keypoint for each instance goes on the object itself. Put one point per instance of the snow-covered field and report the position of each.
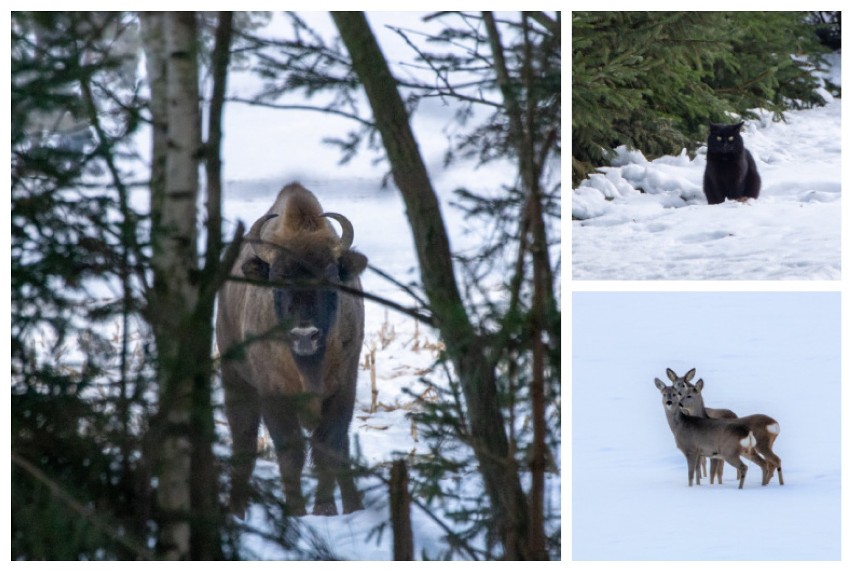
(649, 220)
(773, 353)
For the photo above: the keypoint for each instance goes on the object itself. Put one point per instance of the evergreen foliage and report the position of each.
(827, 26)
(78, 486)
(654, 80)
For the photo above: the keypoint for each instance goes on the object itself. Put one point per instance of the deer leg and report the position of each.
(692, 463)
(716, 465)
(737, 463)
(774, 462)
(765, 467)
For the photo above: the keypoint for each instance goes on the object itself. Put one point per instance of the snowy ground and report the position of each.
(649, 220)
(403, 353)
(775, 353)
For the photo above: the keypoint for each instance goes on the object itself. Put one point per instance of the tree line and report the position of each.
(654, 80)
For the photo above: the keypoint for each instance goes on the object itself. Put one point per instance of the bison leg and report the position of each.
(348, 491)
(243, 411)
(280, 414)
(330, 445)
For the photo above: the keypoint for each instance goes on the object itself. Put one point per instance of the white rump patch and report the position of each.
(749, 441)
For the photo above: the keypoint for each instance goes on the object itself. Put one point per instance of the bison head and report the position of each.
(306, 272)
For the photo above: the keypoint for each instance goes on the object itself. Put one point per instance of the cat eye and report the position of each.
(718, 138)
(731, 138)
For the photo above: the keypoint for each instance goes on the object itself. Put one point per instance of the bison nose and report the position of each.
(305, 340)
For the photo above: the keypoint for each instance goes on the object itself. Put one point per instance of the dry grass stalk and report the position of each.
(374, 388)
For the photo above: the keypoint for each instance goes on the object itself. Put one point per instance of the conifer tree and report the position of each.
(654, 80)
(79, 485)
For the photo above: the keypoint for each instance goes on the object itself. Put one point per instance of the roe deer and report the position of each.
(697, 436)
(765, 429)
(680, 383)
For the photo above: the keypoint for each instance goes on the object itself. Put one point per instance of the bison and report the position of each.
(291, 349)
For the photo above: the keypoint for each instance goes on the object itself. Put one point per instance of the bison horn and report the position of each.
(346, 228)
(253, 238)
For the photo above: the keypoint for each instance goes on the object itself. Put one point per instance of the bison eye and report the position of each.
(256, 269)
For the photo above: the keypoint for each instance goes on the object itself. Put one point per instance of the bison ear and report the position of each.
(351, 265)
(256, 269)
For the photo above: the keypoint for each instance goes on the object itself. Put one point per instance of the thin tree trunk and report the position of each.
(175, 264)
(522, 128)
(182, 300)
(220, 59)
(153, 42)
(466, 349)
(400, 506)
(207, 517)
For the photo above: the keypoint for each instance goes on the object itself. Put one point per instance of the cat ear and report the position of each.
(739, 125)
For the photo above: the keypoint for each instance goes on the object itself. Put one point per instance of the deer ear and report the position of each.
(688, 376)
(660, 384)
(699, 385)
(671, 374)
(255, 269)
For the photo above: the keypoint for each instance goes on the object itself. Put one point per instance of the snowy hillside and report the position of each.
(772, 353)
(649, 220)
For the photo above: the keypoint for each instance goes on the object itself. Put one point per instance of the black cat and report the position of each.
(731, 172)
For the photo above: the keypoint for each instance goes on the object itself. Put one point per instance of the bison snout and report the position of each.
(305, 340)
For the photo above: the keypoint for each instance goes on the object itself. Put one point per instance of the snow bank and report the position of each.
(641, 219)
